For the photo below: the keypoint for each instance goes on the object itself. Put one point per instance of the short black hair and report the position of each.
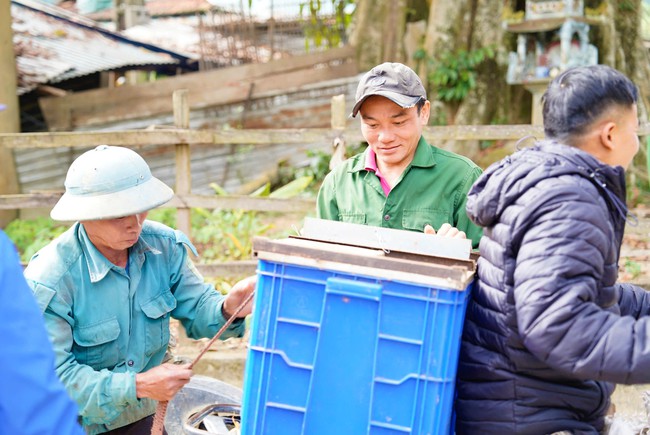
(579, 96)
(420, 104)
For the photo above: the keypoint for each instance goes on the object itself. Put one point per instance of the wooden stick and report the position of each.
(161, 409)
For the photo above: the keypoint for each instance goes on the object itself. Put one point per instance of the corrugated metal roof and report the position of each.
(51, 48)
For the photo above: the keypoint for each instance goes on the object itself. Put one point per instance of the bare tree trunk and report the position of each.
(630, 54)
(442, 15)
(622, 47)
(378, 32)
(473, 24)
(10, 116)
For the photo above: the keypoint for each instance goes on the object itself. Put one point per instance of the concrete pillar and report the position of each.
(537, 89)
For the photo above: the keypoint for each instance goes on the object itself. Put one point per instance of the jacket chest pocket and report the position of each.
(96, 344)
(352, 218)
(156, 311)
(415, 220)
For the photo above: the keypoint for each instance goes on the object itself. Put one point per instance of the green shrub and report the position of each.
(220, 234)
(31, 235)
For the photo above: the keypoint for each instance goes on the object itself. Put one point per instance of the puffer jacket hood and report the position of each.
(548, 331)
(503, 183)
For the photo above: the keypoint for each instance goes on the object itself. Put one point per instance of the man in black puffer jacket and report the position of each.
(548, 330)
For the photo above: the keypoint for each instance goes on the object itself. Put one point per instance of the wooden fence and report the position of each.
(184, 138)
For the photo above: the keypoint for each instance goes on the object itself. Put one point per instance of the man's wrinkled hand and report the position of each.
(446, 230)
(162, 382)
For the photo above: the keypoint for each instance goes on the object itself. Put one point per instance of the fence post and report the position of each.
(9, 110)
(182, 157)
(338, 122)
(183, 186)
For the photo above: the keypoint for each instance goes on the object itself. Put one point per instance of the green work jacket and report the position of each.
(432, 190)
(106, 323)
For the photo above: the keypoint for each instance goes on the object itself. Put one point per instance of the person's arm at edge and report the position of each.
(558, 318)
(633, 300)
(199, 306)
(32, 399)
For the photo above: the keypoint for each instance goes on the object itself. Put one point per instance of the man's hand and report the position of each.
(161, 383)
(445, 230)
(238, 294)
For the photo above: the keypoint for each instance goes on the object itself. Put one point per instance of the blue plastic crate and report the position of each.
(339, 347)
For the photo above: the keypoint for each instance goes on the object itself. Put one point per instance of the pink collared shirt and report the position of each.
(371, 165)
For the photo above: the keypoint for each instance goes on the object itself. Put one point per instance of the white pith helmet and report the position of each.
(109, 182)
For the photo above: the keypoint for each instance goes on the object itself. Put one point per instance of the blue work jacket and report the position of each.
(108, 323)
(32, 399)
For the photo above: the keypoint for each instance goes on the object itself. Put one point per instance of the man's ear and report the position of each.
(425, 112)
(607, 135)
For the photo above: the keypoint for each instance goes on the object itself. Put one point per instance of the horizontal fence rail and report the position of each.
(184, 139)
(172, 136)
(259, 137)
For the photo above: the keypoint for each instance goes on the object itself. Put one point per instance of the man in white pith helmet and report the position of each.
(108, 287)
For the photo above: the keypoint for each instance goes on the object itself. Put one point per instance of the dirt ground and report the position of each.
(226, 360)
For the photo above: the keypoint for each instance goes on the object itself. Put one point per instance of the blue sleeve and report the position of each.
(198, 303)
(32, 399)
(633, 301)
(561, 262)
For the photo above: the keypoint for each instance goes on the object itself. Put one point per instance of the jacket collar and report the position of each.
(423, 157)
(611, 178)
(98, 265)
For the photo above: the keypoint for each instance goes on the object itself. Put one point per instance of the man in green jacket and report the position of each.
(399, 181)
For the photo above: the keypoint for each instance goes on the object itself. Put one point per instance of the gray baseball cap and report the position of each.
(395, 81)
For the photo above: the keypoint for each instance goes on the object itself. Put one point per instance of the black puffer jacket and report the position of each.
(548, 330)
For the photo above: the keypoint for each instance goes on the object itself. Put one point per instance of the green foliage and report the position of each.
(632, 268)
(626, 5)
(292, 189)
(318, 167)
(321, 30)
(165, 216)
(638, 176)
(31, 235)
(452, 73)
(222, 235)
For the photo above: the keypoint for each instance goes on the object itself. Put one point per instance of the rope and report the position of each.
(161, 408)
